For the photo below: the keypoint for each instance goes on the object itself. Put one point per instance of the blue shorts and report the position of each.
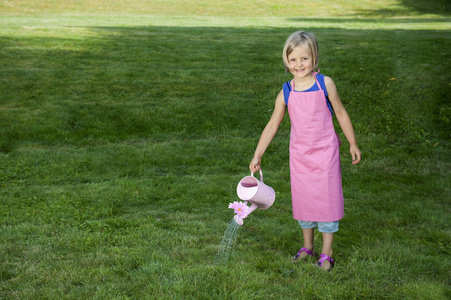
(326, 227)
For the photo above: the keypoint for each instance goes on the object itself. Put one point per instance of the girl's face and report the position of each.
(301, 62)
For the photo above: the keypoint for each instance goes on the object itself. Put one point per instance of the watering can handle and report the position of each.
(261, 175)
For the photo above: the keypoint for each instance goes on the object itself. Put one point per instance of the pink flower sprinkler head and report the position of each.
(241, 210)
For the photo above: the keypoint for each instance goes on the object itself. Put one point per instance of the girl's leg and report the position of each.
(328, 238)
(308, 241)
(307, 233)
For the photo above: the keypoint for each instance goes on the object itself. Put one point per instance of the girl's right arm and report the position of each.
(269, 132)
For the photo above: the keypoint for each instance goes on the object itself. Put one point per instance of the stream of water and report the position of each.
(228, 242)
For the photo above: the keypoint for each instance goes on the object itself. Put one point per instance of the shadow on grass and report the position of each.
(384, 20)
(147, 82)
(423, 7)
(440, 7)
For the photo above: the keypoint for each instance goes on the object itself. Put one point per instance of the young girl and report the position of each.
(316, 189)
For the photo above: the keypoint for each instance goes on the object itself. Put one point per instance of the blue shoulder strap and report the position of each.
(286, 91)
(322, 83)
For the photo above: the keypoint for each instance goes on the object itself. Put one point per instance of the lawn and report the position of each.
(125, 127)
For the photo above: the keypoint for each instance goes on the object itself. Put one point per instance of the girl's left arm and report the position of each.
(343, 118)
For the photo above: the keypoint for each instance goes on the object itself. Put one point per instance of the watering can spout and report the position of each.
(239, 219)
(252, 207)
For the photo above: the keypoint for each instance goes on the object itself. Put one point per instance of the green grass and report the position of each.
(228, 8)
(123, 136)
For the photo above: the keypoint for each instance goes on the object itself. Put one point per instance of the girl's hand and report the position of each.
(356, 154)
(255, 165)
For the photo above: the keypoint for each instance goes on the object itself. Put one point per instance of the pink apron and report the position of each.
(315, 168)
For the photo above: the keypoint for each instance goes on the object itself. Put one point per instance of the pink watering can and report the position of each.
(254, 191)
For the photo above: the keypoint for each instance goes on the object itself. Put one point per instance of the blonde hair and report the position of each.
(299, 39)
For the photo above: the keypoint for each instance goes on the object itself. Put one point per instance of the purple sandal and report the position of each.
(324, 257)
(295, 258)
